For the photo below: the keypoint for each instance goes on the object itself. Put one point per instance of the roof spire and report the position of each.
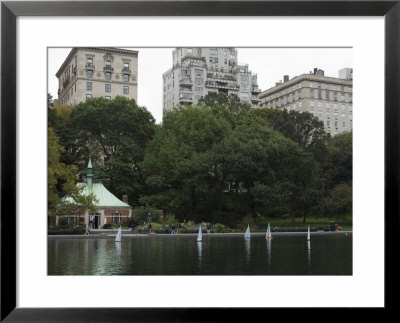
(89, 177)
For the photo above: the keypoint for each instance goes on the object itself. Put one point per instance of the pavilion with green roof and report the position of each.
(110, 209)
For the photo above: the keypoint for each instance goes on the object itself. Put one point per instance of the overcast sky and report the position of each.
(270, 64)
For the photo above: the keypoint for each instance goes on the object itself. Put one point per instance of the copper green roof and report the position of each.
(105, 198)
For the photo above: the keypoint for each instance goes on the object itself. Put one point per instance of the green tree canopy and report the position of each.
(62, 183)
(115, 132)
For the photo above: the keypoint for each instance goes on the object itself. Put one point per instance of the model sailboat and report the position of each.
(308, 234)
(200, 235)
(247, 233)
(119, 235)
(268, 234)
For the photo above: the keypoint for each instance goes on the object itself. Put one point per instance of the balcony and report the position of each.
(185, 97)
(126, 70)
(222, 85)
(66, 81)
(256, 90)
(185, 81)
(89, 66)
(108, 68)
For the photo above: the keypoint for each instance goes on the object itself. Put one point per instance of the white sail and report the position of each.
(200, 235)
(118, 237)
(247, 233)
(268, 234)
(308, 233)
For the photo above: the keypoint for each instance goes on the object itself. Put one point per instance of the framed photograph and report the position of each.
(32, 31)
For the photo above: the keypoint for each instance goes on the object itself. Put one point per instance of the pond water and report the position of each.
(285, 254)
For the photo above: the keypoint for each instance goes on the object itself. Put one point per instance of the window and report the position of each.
(213, 60)
(126, 77)
(126, 67)
(232, 56)
(189, 50)
(319, 104)
(89, 62)
(311, 103)
(328, 123)
(108, 97)
(328, 106)
(327, 95)
(244, 78)
(198, 80)
(312, 94)
(300, 104)
(244, 86)
(88, 96)
(89, 86)
(108, 87)
(336, 124)
(225, 61)
(198, 72)
(185, 96)
(319, 95)
(197, 97)
(184, 72)
(342, 97)
(107, 75)
(335, 106)
(108, 63)
(311, 84)
(244, 94)
(116, 218)
(89, 74)
(198, 89)
(185, 88)
(213, 51)
(125, 90)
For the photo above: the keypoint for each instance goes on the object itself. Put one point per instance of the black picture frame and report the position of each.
(10, 10)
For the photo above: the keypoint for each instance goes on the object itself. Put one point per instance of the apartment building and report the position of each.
(328, 98)
(90, 72)
(198, 71)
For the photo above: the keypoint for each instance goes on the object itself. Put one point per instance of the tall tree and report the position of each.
(177, 164)
(116, 133)
(62, 183)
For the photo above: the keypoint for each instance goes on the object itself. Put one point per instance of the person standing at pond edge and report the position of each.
(173, 229)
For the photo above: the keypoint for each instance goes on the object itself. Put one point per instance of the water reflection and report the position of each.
(199, 251)
(269, 256)
(225, 255)
(247, 247)
(118, 248)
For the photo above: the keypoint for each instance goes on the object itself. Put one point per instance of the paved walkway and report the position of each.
(109, 235)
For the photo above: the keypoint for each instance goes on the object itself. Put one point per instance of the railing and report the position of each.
(108, 68)
(185, 81)
(66, 81)
(126, 70)
(89, 66)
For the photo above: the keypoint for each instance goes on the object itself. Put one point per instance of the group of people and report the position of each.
(178, 228)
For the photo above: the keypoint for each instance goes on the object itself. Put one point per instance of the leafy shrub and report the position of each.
(218, 227)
